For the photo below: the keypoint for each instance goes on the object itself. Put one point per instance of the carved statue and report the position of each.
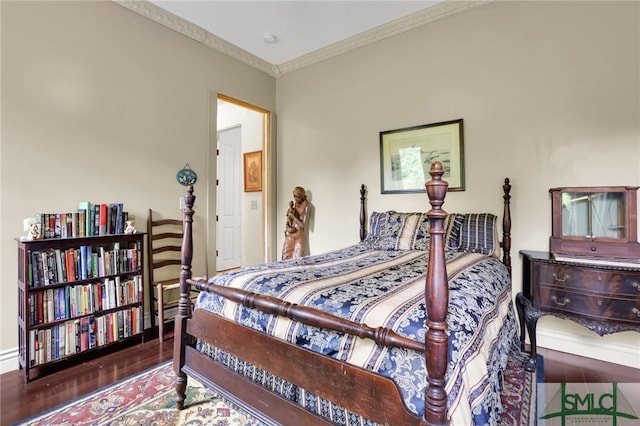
(295, 225)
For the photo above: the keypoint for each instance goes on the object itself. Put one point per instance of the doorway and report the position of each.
(241, 218)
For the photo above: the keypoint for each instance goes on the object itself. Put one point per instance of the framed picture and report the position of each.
(406, 156)
(252, 171)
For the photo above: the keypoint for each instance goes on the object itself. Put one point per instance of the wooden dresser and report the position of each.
(603, 298)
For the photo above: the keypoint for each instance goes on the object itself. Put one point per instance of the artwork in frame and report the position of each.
(252, 171)
(406, 156)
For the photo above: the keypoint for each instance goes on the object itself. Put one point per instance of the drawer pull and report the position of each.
(564, 301)
(636, 311)
(565, 278)
(636, 285)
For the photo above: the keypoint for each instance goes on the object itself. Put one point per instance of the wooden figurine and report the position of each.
(294, 241)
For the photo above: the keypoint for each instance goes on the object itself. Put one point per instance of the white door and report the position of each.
(229, 200)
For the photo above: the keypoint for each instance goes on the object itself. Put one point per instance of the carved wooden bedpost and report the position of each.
(184, 304)
(363, 213)
(437, 302)
(506, 225)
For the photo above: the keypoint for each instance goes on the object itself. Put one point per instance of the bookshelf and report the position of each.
(77, 297)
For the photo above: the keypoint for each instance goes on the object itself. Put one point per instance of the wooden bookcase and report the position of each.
(78, 297)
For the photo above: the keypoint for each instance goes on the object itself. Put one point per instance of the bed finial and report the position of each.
(363, 213)
(437, 301)
(506, 225)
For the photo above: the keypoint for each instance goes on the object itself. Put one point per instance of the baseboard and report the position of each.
(9, 360)
(589, 347)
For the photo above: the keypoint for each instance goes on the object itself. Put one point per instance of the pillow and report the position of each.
(452, 226)
(479, 234)
(392, 230)
(451, 232)
(422, 236)
(375, 223)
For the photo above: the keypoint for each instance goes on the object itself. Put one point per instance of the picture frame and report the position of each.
(406, 155)
(252, 162)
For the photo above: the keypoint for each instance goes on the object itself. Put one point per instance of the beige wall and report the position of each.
(101, 104)
(549, 94)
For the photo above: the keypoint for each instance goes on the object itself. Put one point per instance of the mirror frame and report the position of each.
(597, 247)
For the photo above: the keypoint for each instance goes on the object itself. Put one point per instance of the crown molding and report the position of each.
(169, 20)
(393, 28)
(399, 26)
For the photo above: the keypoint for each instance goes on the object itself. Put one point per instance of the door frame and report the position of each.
(267, 179)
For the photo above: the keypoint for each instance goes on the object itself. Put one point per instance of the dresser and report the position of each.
(604, 298)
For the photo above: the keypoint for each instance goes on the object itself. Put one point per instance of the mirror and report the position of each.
(595, 221)
(594, 214)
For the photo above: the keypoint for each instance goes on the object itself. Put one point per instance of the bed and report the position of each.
(410, 326)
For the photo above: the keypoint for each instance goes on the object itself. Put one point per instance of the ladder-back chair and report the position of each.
(165, 242)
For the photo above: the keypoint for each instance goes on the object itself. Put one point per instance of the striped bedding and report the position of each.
(385, 288)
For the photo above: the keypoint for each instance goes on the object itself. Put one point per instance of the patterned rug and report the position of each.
(147, 399)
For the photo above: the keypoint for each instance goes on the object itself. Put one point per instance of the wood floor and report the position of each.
(20, 400)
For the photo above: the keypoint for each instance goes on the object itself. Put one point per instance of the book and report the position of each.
(85, 226)
(68, 225)
(120, 321)
(40, 305)
(81, 223)
(36, 272)
(50, 312)
(94, 265)
(102, 228)
(82, 270)
(92, 332)
(61, 272)
(70, 346)
(84, 333)
(44, 261)
(57, 226)
(111, 219)
(33, 347)
(71, 267)
(119, 219)
(96, 220)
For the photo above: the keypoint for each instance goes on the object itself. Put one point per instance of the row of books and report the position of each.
(81, 334)
(89, 219)
(56, 304)
(53, 266)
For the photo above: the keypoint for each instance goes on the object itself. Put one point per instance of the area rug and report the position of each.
(148, 399)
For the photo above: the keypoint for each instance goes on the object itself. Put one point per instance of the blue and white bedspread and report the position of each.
(386, 289)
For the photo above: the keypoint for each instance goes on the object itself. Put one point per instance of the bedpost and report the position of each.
(506, 225)
(437, 302)
(184, 304)
(363, 213)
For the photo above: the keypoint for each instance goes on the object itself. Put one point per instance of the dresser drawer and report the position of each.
(587, 304)
(597, 280)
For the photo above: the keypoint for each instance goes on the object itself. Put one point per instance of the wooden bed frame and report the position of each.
(366, 393)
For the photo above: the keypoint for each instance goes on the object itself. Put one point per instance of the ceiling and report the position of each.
(302, 32)
(297, 27)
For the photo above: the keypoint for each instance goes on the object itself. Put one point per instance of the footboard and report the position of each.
(357, 389)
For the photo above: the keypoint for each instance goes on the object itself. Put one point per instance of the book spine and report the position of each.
(57, 233)
(102, 228)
